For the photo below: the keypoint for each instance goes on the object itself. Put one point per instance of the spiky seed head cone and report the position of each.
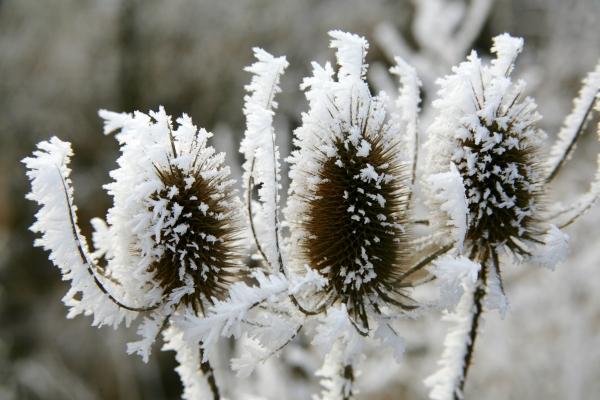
(175, 219)
(348, 196)
(488, 131)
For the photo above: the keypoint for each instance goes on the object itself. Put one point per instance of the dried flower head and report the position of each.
(487, 131)
(182, 212)
(349, 191)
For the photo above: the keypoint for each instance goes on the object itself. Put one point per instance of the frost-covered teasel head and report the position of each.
(485, 135)
(349, 185)
(176, 215)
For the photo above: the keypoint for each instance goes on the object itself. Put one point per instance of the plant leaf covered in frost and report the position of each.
(445, 382)
(56, 221)
(554, 251)
(258, 146)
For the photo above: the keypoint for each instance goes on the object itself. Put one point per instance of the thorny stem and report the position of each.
(478, 297)
(87, 260)
(209, 373)
(571, 145)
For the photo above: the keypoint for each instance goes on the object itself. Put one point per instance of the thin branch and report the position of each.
(578, 214)
(85, 259)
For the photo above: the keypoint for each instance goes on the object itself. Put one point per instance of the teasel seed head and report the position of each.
(348, 199)
(198, 235)
(175, 223)
(488, 131)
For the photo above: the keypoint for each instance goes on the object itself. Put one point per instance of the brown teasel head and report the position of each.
(355, 225)
(199, 237)
(503, 189)
(488, 129)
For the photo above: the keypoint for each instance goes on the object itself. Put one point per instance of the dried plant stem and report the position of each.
(208, 372)
(477, 313)
(86, 259)
(348, 374)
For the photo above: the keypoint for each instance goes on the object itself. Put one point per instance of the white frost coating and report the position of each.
(449, 192)
(388, 336)
(195, 386)
(49, 173)
(444, 383)
(351, 53)
(253, 353)
(225, 318)
(407, 103)
(343, 346)
(507, 48)
(455, 275)
(576, 120)
(554, 250)
(258, 146)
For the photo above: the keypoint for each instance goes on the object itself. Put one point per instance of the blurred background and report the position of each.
(62, 60)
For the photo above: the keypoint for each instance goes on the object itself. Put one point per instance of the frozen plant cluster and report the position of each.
(337, 264)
